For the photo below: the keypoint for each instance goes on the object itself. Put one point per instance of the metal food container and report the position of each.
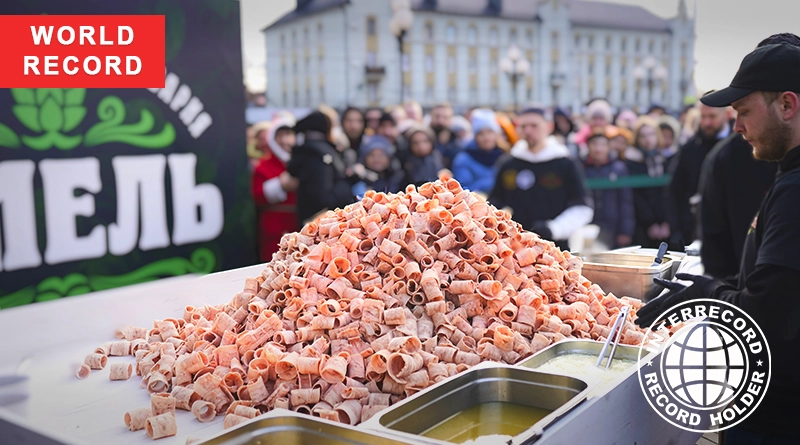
(482, 384)
(587, 347)
(626, 274)
(282, 427)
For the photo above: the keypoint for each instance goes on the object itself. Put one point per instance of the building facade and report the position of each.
(342, 52)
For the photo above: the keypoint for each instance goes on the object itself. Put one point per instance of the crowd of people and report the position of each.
(639, 178)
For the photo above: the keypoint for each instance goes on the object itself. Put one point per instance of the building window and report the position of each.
(321, 63)
(370, 26)
(493, 36)
(608, 69)
(473, 95)
(429, 32)
(450, 34)
(296, 98)
(473, 64)
(294, 39)
(591, 68)
(307, 65)
(495, 96)
(322, 94)
(591, 42)
(529, 36)
(529, 94)
(372, 58)
(451, 94)
(428, 63)
(684, 48)
(451, 64)
(651, 46)
(512, 36)
(283, 69)
(283, 41)
(664, 47)
(608, 43)
(472, 35)
(372, 91)
(623, 45)
(554, 39)
(305, 36)
(406, 63)
(577, 40)
(407, 92)
(294, 67)
(429, 94)
(308, 97)
(638, 45)
(285, 99)
(623, 68)
(320, 34)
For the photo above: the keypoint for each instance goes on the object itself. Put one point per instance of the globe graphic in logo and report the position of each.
(705, 365)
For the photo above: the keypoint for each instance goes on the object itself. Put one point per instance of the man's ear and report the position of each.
(789, 105)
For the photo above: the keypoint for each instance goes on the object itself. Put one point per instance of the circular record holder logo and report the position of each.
(710, 374)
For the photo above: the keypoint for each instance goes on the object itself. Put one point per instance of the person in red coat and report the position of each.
(273, 188)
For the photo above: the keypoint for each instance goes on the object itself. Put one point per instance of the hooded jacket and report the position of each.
(324, 184)
(277, 209)
(475, 168)
(543, 189)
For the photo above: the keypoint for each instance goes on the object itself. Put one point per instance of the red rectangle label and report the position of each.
(82, 51)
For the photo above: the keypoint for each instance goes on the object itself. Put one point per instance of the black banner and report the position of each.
(102, 188)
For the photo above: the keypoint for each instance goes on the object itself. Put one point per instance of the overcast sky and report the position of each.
(726, 31)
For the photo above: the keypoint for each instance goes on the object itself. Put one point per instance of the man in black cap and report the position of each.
(766, 95)
(729, 201)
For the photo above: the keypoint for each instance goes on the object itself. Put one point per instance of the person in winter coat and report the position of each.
(353, 125)
(441, 120)
(273, 188)
(423, 163)
(564, 131)
(613, 206)
(324, 184)
(377, 155)
(474, 167)
(540, 182)
(670, 131)
(648, 166)
(685, 170)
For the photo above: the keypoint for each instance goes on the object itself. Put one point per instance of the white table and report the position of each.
(51, 339)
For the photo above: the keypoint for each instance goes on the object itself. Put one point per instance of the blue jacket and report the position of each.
(613, 208)
(473, 175)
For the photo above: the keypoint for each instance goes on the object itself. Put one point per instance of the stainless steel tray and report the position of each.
(589, 347)
(482, 384)
(626, 274)
(282, 427)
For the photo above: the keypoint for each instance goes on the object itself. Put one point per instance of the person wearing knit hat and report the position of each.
(422, 163)
(377, 154)
(474, 167)
(273, 188)
(462, 130)
(320, 169)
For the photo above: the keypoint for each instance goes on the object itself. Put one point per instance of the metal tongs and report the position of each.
(615, 335)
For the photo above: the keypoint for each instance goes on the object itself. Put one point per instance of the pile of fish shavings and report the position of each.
(368, 305)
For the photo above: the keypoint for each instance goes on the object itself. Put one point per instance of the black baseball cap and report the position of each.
(769, 68)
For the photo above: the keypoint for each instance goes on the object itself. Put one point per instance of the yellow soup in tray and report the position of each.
(486, 419)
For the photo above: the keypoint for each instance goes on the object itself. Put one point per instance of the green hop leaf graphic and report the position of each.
(52, 111)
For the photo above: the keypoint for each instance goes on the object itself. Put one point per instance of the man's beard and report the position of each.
(773, 145)
(438, 128)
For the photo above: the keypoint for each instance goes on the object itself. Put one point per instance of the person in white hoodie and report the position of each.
(541, 184)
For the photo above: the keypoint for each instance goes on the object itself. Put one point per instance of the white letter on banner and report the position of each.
(170, 85)
(191, 111)
(60, 179)
(140, 181)
(31, 62)
(120, 40)
(128, 70)
(187, 196)
(61, 38)
(19, 216)
(41, 33)
(200, 125)
(181, 98)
